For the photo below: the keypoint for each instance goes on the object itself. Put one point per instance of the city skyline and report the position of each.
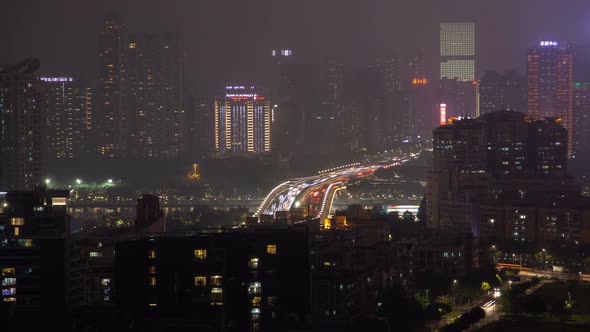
(295, 165)
(386, 24)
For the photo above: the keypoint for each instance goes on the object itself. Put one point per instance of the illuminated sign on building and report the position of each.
(242, 121)
(419, 81)
(548, 43)
(56, 79)
(443, 114)
(282, 52)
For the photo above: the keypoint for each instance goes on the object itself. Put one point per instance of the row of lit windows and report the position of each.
(201, 254)
(214, 280)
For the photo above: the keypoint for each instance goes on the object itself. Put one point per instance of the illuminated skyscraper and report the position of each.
(390, 67)
(550, 84)
(23, 121)
(582, 120)
(154, 74)
(69, 119)
(457, 51)
(110, 120)
(242, 121)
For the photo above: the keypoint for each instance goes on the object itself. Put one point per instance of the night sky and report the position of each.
(231, 40)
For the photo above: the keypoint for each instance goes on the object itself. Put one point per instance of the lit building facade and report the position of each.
(581, 120)
(550, 84)
(242, 121)
(70, 117)
(390, 66)
(457, 51)
(154, 99)
(34, 269)
(110, 118)
(23, 124)
(500, 155)
(249, 279)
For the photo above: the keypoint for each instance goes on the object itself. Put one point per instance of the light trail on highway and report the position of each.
(318, 191)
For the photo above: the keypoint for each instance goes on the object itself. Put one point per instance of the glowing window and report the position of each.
(256, 300)
(16, 231)
(271, 249)
(201, 254)
(59, 201)
(216, 280)
(8, 281)
(8, 271)
(216, 294)
(255, 288)
(152, 253)
(17, 221)
(8, 291)
(253, 263)
(152, 269)
(95, 254)
(200, 281)
(10, 299)
(153, 281)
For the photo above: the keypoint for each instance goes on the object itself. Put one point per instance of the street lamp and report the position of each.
(79, 181)
(47, 181)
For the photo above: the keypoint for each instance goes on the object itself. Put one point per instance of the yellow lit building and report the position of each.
(242, 121)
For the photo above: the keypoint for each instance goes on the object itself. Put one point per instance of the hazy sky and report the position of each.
(227, 39)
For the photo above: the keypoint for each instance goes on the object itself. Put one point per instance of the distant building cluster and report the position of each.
(504, 176)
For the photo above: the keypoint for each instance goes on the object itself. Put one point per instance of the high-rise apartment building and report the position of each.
(246, 279)
(34, 269)
(457, 51)
(502, 92)
(421, 109)
(154, 98)
(499, 155)
(550, 84)
(70, 117)
(23, 122)
(363, 121)
(457, 69)
(199, 126)
(110, 130)
(581, 120)
(390, 67)
(242, 121)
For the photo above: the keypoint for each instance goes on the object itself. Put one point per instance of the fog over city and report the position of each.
(295, 165)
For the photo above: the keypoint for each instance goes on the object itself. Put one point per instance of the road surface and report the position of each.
(318, 191)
